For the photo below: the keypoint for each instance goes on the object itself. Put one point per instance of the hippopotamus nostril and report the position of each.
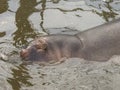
(23, 53)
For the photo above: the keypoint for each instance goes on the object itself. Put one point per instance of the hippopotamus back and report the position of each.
(101, 42)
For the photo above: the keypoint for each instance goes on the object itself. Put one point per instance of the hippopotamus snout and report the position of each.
(23, 53)
(33, 53)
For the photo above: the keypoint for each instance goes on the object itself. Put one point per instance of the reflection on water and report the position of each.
(55, 1)
(106, 8)
(20, 78)
(2, 34)
(25, 30)
(43, 5)
(3, 6)
(73, 10)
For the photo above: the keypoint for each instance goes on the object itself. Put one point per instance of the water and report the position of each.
(22, 20)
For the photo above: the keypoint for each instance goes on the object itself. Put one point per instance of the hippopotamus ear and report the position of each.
(41, 44)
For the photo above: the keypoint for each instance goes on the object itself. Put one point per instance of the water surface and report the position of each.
(22, 20)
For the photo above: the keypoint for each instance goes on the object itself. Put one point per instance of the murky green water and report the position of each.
(22, 20)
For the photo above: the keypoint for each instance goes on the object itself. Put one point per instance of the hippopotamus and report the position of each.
(95, 44)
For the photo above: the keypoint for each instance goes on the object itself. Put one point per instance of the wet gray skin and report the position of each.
(100, 47)
(52, 47)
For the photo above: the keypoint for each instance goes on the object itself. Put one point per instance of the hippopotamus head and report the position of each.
(36, 51)
(52, 47)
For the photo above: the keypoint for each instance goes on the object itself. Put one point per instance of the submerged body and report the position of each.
(99, 44)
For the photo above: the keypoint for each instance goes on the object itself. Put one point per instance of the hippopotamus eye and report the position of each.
(41, 46)
(38, 46)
